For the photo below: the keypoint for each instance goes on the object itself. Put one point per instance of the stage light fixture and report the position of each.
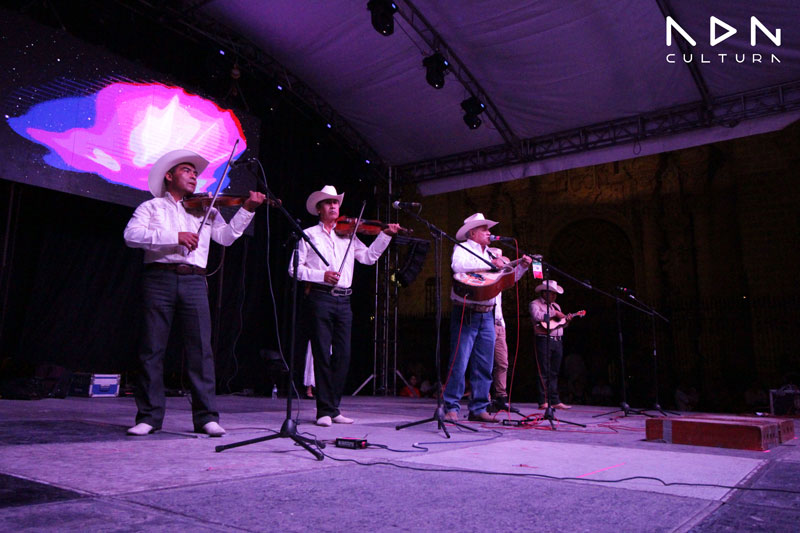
(435, 69)
(382, 16)
(472, 107)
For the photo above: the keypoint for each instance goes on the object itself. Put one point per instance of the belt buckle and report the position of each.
(340, 291)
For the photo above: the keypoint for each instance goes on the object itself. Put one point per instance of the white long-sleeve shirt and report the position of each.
(498, 311)
(333, 247)
(156, 223)
(538, 309)
(498, 300)
(463, 261)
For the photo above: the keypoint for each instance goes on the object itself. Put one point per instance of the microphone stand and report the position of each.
(438, 414)
(549, 412)
(289, 428)
(653, 314)
(639, 306)
(625, 409)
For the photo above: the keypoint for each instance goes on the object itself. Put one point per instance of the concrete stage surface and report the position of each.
(67, 465)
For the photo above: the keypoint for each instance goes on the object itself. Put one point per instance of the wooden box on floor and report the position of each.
(743, 433)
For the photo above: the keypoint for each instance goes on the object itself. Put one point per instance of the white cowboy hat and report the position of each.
(328, 192)
(473, 221)
(550, 285)
(155, 179)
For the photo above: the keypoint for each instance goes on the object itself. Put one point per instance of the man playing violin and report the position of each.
(548, 351)
(174, 284)
(472, 323)
(327, 305)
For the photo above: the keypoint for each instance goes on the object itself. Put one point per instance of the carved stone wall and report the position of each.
(709, 236)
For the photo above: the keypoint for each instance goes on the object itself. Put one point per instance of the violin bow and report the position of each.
(353, 236)
(216, 191)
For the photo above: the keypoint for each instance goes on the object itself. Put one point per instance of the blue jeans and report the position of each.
(166, 295)
(474, 348)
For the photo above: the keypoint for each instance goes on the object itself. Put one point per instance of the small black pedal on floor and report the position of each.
(514, 423)
(351, 444)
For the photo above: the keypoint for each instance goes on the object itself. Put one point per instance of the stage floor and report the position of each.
(67, 465)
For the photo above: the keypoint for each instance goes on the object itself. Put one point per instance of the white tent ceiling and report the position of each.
(548, 67)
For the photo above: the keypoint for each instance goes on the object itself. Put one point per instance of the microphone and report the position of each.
(406, 205)
(626, 291)
(243, 162)
(494, 238)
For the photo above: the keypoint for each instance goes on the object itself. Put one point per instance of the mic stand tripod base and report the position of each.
(664, 412)
(627, 410)
(549, 415)
(288, 431)
(508, 408)
(438, 417)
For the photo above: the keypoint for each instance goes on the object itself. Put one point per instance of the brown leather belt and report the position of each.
(476, 307)
(335, 291)
(179, 268)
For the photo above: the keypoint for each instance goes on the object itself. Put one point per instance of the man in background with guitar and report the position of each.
(472, 321)
(548, 320)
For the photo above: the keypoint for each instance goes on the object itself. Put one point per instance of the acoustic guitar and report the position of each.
(555, 324)
(484, 284)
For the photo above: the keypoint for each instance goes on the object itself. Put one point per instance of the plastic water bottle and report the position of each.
(275, 392)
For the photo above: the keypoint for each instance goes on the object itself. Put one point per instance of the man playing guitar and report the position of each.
(549, 321)
(472, 321)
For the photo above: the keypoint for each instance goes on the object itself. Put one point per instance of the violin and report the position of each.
(345, 225)
(203, 201)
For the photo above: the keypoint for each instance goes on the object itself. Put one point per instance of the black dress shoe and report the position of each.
(500, 404)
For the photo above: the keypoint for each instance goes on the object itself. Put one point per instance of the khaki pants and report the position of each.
(500, 372)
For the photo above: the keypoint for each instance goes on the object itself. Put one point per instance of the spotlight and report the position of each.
(472, 108)
(435, 68)
(382, 15)
(473, 121)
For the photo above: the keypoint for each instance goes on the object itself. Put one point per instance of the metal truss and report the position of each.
(427, 33)
(185, 17)
(727, 111)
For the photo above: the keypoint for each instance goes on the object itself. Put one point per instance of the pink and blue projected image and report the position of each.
(120, 130)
